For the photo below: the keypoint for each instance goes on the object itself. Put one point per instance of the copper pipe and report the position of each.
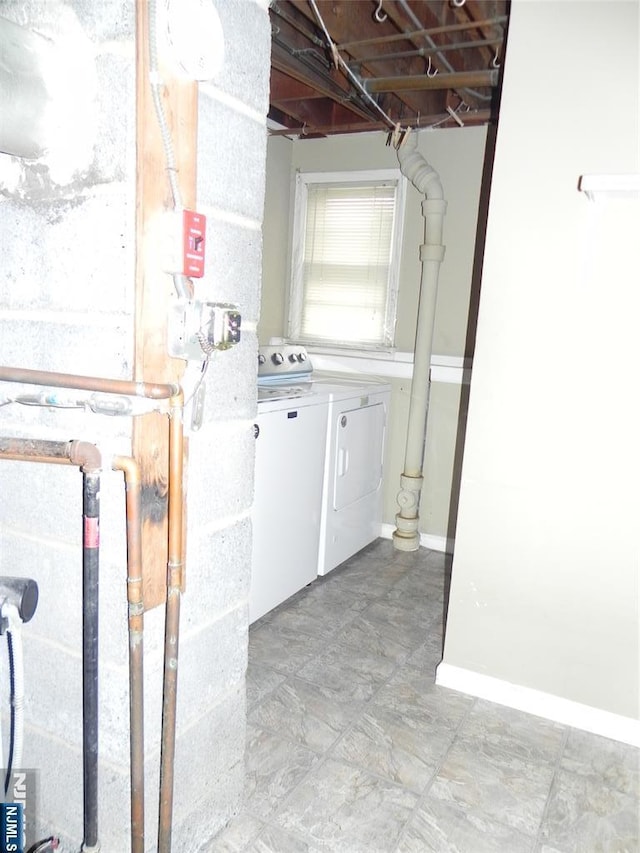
(450, 28)
(26, 449)
(81, 453)
(415, 82)
(151, 390)
(172, 622)
(133, 486)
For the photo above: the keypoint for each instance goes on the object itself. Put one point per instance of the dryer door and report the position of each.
(359, 442)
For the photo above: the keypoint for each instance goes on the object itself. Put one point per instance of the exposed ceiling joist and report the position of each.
(424, 61)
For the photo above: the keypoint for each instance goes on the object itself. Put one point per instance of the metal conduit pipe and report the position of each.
(87, 457)
(406, 536)
(90, 468)
(172, 623)
(135, 618)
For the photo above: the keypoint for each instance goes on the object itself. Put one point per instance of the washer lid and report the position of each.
(348, 386)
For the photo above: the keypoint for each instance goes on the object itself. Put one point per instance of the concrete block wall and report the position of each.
(67, 233)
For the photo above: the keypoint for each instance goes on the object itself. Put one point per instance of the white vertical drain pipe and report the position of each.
(406, 536)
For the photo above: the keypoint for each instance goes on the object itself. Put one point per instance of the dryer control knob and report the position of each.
(293, 358)
(261, 359)
(302, 356)
(277, 358)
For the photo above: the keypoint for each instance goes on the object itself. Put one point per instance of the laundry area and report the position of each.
(320, 438)
(317, 446)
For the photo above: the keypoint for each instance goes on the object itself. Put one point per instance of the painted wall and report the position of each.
(545, 575)
(457, 155)
(67, 232)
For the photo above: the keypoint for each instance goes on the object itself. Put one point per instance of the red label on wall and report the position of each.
(194, 233)
(91, 532)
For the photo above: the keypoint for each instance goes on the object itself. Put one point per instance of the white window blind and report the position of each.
(345, 279)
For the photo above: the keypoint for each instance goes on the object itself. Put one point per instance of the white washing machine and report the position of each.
(290, 429)
(354, 458)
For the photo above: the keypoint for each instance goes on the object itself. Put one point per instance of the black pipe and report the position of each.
(12, 723)
(90, 559)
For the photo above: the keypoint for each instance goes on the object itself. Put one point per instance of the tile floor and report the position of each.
(352, 747)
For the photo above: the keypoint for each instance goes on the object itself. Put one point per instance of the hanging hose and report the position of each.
(16, 682)
(12, 719)
(47, 845)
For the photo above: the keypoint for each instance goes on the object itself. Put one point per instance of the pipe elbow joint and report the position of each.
(423, 176)
(130, 467)
(86, 456)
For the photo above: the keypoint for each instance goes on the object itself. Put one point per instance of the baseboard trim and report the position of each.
(427, 540)
(540, 704)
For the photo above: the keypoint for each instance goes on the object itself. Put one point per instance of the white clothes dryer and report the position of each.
(354, 462)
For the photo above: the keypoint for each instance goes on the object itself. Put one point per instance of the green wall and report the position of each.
(458, 156)
(544, 591)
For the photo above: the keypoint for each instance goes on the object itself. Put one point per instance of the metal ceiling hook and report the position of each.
(431, 72)
(379, 15)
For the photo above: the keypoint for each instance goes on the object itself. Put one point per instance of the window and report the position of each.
(346, 249)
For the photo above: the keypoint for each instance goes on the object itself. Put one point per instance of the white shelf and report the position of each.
(610, 186)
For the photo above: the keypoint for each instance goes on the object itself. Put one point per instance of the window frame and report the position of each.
(296, 282)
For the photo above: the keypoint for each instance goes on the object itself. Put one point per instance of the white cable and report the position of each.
(155, 81)
(334, 52)
(99, 403)
(454, 115)
(204, 367)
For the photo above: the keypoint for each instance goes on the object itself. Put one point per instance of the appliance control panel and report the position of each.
(283, 360)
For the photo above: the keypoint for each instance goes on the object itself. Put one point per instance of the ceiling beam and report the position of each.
(426, 51)
(282, 61)
(473, 117)
(450, 28)
(415, 82)
(351, 19)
